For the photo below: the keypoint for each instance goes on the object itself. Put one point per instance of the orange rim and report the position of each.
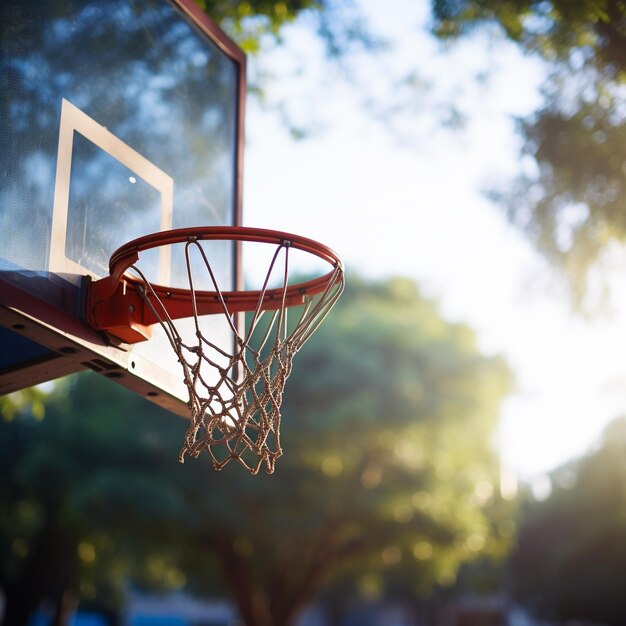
(128, 254)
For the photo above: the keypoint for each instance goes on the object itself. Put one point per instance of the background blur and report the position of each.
(454, 451)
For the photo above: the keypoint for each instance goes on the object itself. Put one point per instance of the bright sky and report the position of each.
(395, 193)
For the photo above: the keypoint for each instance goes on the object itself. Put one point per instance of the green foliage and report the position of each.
(337, 22)
(571, 557)
(32, 399)
(574, 205)
(388, 483)
(249, 21)
(89, 495)
(557, 29)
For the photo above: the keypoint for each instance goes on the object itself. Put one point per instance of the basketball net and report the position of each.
(236, 414)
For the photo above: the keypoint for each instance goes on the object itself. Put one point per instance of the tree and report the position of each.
(89, 497)
(31, 399)
(337, 23)
(388, 480)
(569, 564)
(573, 206)
(387, 483)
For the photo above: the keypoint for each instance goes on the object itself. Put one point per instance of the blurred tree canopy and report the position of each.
(31, 399)
(88, 497)
(389, 479)
(387, 486)
(557, 29)
(573, 204)
(571, 557)
(338, 23)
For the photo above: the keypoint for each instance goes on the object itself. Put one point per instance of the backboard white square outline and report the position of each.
(75, 120)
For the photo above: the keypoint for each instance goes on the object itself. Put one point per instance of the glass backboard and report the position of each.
(119, 118)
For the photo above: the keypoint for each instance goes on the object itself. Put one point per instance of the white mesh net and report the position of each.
(235, 396)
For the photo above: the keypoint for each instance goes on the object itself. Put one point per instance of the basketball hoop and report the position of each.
(235, 395)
